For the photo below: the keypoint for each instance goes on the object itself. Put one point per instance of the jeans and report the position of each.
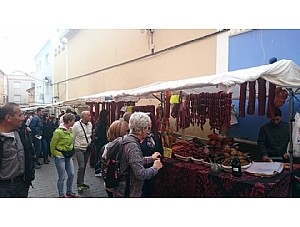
(64, 164)
(37, 147)
(46, 148)
(82, 158)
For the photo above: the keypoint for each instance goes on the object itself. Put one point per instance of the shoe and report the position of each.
(84, 186)
(62, 196)
(37, 167)
(71, 195)
(98, 174)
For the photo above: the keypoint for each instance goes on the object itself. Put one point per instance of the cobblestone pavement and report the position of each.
(46, 179)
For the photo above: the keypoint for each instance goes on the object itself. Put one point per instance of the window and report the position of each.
(46, 59)
(17, 84)
(17, 98)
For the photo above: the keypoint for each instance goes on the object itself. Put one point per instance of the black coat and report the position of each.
(30, 158)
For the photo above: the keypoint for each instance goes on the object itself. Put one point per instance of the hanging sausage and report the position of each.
(251, 99)
(242, 102)
(262, 94)
(271, 96)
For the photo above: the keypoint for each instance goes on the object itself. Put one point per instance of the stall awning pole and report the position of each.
(292, 120)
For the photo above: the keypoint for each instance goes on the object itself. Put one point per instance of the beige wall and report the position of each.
(92, 50)
(2, 88)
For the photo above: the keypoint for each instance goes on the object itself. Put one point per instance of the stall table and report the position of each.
(190, 180)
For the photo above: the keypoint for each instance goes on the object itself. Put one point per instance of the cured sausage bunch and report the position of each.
(196, 109)
(276, 97)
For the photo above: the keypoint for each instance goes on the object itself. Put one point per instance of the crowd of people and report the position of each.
(28, 139)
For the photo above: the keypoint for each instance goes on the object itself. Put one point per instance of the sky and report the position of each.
(25, 29)
(18, 48)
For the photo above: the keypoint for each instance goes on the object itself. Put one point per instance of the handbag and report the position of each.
(66, 154)
(90, 145)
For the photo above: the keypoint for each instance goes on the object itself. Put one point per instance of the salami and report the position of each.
(251, 100)
(242, 102)
(271, 96)
(262, 95)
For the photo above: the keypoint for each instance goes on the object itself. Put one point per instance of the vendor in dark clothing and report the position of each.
(274, 138)
(149, 146)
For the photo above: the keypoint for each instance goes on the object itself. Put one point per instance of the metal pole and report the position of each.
(292, 120)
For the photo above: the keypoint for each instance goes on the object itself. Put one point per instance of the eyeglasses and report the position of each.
(148, 128)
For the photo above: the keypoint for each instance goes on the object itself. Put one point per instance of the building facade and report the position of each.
(44, 75)
(18, 83)
(3, 88)
(249, 48)
(91, 61)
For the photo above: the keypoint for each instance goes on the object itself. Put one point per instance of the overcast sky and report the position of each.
(19, 47)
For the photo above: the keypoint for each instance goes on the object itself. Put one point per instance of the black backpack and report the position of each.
(111, 171)
(111, 165)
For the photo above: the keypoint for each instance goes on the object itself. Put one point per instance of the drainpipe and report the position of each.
(152, 46)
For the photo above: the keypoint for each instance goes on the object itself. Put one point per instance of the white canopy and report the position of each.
(284, 73)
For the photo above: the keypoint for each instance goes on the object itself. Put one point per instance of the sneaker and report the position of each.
(84, 186)
(62, 196)
(98, 174)
(71, 195)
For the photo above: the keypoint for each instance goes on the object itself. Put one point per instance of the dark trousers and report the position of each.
(148, 187)
(14, 190)
(37, 147)
(46, 148)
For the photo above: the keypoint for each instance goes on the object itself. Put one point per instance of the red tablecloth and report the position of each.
(190, 180)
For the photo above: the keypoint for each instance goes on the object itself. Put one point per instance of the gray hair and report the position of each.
(138, 121)
(68, 117)
(7, 108)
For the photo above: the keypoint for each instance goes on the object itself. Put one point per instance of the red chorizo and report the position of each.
(262, 95)
(242, 102)
(251, 99)
(271, 96)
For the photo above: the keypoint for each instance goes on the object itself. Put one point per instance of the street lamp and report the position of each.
(46, 82)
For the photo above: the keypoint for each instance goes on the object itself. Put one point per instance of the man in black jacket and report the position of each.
(17, 156)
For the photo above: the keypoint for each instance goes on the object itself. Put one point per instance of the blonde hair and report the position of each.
(116, 129)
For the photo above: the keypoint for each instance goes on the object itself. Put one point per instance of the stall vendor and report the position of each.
(273, 138)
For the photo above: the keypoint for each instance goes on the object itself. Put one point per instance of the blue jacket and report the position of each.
(36, 126)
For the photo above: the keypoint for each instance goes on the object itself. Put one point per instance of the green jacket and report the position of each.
(61, 140)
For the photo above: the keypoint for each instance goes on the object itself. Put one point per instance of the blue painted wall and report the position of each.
(255, 48)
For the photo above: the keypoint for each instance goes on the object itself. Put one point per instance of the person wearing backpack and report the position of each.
(118, 128)
(132, 159)
(17, 156)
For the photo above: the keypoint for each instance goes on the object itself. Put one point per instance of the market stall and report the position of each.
(199, 91)
(179, 179)
(276, 82)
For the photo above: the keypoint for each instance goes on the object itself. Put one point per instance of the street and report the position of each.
(44, 185)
